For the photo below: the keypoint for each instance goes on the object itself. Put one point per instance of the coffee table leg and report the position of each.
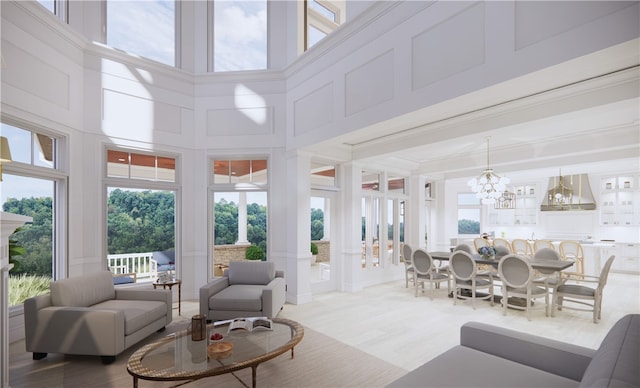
(253, 375)
(135, 382)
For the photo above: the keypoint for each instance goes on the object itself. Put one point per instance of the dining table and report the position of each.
(542, 265)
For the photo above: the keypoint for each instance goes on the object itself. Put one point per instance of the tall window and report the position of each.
(141, 213)
(32, 185)
(239, 35)
(144, 28)
(238, 194)
(322, 18)
(468, 214)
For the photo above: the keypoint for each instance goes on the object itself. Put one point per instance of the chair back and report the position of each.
(571, 250)
(521, 247)
(462, 265)
(546, 254)
(515, 271)
(422, 262)
(463, 247)
(406, 253)
(502, 242)
(539, 244)
(602, 281)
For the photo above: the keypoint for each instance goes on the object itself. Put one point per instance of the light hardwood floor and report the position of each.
(388, 322)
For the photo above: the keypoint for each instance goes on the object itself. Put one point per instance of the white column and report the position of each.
(8, 224)
(242, 220)
(350, 271)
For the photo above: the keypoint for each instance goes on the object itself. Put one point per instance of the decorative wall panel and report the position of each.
(313, 110)
(32, 75)
(240, 121)
(369, 84)
(536, 21)
(451, 47)
(128, 115)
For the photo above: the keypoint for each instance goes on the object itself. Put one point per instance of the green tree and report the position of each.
(317, 224)
(468, 227)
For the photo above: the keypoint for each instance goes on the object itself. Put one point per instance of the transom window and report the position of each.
(132, 165)
(240, 171)
(322, 18)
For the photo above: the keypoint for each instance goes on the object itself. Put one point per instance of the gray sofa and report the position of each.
(490, 356)
(89, 316)
(246, 289)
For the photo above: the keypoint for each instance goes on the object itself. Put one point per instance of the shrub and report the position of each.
(253, 252)
(314, 249)
(23, 286)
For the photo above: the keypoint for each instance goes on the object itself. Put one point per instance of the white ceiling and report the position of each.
(582, 116)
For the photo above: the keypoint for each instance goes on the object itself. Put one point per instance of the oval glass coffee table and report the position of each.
(177, 357)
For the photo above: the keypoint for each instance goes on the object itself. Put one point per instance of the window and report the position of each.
(468, 214)
(238, 215)
(323, 175)
(33, 186)
(141, 212)
(370, 181)
(239, 35)
(144, 28)
(322, 18)
(124, 164)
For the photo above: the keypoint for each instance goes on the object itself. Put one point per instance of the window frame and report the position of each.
(59, 175)
(143, 184)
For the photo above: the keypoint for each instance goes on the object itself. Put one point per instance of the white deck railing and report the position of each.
(143, 264)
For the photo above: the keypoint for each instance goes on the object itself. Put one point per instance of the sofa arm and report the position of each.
(209, 289)
(163, 295)
(77, 330)
(552, 356)
(273, 297)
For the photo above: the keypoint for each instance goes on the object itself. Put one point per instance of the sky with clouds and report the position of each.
(147, 28)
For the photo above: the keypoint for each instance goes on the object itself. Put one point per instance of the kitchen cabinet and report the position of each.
(627, 257)
(620, 201)
(525, 211)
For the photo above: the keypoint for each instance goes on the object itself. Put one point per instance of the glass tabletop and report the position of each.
(178, 357)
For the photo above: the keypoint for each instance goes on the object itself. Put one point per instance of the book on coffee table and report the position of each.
(250, 324)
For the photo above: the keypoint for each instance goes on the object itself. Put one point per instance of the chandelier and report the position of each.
(488, 186)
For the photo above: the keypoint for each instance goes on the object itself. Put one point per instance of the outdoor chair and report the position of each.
(517, 274)
(582, 294)
(464, 269)
(425, 272)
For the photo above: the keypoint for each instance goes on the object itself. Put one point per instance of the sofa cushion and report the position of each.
(83, 291)
(238, 298)
(617, 360)
(251, 272)
(465, 367)
(137, 314)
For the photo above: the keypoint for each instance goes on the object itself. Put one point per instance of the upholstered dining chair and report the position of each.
(539, 244)
(407, 251)
(425, 272)
(521, 246)
(517, 274)
(582, 294)
(549, 279)
(572, 250)
(464, 269)
(502, 242)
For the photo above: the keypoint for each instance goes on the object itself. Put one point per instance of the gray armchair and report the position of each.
(247, 289)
